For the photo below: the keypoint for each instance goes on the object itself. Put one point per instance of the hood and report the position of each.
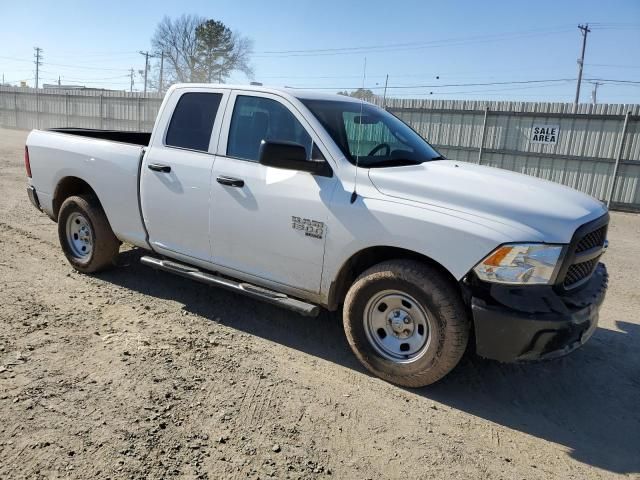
(520, 201)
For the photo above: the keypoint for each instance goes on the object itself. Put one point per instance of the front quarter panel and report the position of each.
(454, 240)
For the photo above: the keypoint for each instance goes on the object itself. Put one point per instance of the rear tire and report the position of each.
(406, 322)
(85, 235)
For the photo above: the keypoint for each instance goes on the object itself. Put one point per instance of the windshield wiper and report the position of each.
(439, 157)
(393, 162)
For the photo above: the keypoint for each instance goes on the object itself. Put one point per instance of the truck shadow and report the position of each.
(586, 402)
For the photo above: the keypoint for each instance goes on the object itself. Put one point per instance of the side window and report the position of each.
(255, 119)
(192, 121)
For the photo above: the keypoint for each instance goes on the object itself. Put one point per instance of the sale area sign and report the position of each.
(544, 133)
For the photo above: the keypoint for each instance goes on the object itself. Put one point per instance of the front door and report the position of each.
(268, 222)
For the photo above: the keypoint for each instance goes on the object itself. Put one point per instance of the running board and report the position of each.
(247, 289)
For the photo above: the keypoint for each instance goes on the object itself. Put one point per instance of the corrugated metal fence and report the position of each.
(596, 143)
(23, 108)
(595, 151)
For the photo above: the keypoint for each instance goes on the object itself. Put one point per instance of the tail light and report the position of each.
(27, 165)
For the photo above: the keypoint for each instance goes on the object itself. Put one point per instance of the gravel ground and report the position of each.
(139, 374)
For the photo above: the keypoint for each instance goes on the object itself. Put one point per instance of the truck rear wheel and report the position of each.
(406, 322)
(85, 235)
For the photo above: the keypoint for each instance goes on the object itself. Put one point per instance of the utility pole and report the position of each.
(146, 69)
(131, 85)
(59, 83)
(384, 95)
(594, 92)
(38, 62)
(584, 29)
(161, 68)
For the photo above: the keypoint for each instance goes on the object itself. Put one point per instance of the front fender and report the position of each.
(454, 240)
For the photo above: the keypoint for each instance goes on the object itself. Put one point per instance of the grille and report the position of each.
(579, 271)
(592, 239)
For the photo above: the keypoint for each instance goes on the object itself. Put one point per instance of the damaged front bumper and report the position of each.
(518, 323)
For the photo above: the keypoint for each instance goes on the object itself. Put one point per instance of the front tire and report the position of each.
(85, 235)
(406, 322)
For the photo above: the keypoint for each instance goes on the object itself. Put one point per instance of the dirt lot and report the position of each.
(136, 373)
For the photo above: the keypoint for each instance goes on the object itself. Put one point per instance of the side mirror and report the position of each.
(289, 156)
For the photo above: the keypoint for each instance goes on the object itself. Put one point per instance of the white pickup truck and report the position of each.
(307, 200)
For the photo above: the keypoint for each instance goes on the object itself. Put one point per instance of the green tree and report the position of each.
(221, 51)
(197, 49)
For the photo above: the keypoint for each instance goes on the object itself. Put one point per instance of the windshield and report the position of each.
(371, 135)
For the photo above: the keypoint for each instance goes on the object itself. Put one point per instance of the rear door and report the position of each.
(176, 173)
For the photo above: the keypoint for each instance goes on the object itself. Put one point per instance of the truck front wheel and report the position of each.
(85, 235)
(406, 322)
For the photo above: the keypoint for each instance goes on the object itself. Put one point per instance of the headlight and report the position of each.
(525, 263)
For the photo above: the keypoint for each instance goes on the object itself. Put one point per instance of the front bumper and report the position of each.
(515, 323)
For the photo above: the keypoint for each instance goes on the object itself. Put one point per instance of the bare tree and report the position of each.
(197, 49)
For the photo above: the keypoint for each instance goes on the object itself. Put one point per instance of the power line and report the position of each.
(408, 46)
(441, 73)
(610, 65)
(448, 85)
(609, 80)
(87, 79)
(342, 50)
(479, 91)
(98, 82)
(82, 67)
(614, 24)
(65, 65)
(101, 57)
(615, 27)
(528, 84)
(412, 44)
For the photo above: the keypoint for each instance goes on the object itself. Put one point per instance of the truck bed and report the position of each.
(108, 161)
(135, 138)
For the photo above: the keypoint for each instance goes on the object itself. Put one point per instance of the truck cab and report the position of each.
(207, 199)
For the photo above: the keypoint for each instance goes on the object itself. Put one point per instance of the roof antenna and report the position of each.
(354, 195)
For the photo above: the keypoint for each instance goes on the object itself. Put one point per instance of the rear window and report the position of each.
(192, 121)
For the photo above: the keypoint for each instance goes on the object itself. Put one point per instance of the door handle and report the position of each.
(156, 167)
(230, 181)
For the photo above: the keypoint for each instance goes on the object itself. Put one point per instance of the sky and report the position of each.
(439, 50)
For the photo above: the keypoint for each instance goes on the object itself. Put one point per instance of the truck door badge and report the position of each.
(311, 228)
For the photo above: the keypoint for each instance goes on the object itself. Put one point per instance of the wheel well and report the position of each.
(68, 187)
(367, 258)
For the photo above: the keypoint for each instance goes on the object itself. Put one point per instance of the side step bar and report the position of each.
(247, 289)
